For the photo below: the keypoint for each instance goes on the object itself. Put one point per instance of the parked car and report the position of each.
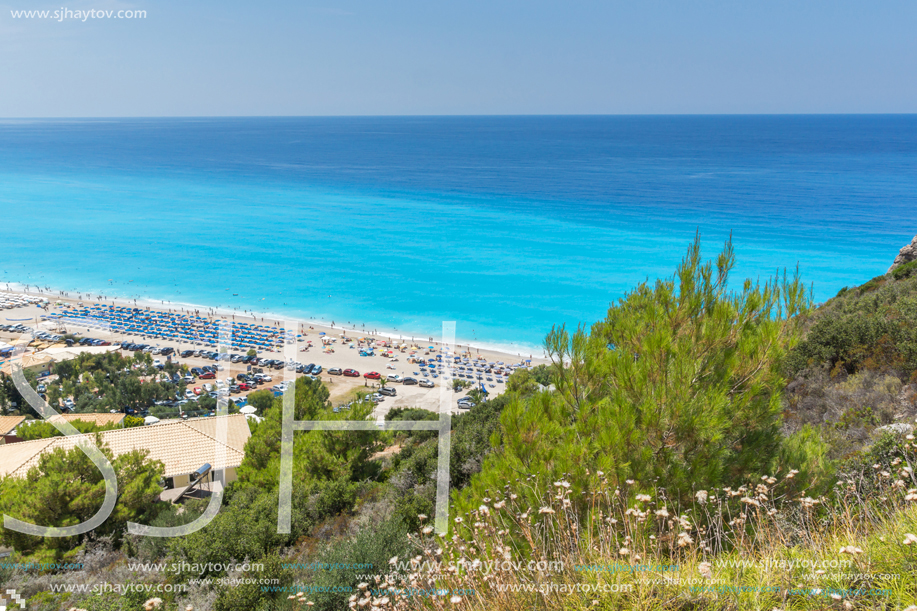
(316, 370)
(208, 375)
(426, 383)
(335, 371)
(388, 391)
(409, 381)
(394, 377)
(372, 375)
(351, 373)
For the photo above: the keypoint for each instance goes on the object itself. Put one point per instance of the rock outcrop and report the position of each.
(905, 255)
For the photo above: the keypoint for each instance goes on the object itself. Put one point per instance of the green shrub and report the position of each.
(905, 271)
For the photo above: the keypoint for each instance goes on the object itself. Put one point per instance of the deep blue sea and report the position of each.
(506, 225)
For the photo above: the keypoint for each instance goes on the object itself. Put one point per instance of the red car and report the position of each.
(372, 375)
(207, 375)
(244, 386)
(351, 373)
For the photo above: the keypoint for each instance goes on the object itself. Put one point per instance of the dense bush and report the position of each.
(66, 488)
(873, 327)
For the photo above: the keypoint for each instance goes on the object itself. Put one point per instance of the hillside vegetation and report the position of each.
(707, 445)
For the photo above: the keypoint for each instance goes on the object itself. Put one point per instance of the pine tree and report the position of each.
(679, 387)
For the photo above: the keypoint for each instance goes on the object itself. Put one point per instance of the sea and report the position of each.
(505, 225)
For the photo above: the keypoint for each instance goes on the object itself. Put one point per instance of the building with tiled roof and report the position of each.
(183, 446)
(96, 419)
(8, 424)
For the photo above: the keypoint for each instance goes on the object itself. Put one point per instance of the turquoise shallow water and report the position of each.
(506, 225)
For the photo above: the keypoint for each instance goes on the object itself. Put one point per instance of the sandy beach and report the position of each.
(325, 345)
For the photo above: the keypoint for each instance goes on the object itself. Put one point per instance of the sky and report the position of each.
(431, 57)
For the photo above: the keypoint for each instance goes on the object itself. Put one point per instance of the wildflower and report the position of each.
(909, 538)
(684, 539)
(750, 501)
(836, 596)
(393, 560)
(792, 474)
(644, 497)
(701, 496)
(705, 569)
(500, 505)
(850, 549)
(363, 585)
(513, 497)
(455, 600)
(624, 551)
(567, 502)
(629, 482)
(152, 603)
(459, 520)
(427, 530)
(662, 513)
(808, 502)
(546, 510)
(421, 516)
(562, 484)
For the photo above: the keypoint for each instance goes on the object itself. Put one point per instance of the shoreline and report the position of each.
(536, 354)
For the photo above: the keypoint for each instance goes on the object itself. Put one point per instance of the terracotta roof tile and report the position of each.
(182, 446)
(9, 423)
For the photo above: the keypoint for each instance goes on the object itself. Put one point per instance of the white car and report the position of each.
(394, 378)
(425, 384)
(208, 387)
(189, 394)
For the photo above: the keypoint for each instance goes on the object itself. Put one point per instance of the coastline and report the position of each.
(521, 350)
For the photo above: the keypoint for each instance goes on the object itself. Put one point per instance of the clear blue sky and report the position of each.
(378, 57)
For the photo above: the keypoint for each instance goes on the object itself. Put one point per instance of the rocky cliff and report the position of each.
(905, 255)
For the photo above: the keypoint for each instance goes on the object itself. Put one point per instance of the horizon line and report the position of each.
(445, 116)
